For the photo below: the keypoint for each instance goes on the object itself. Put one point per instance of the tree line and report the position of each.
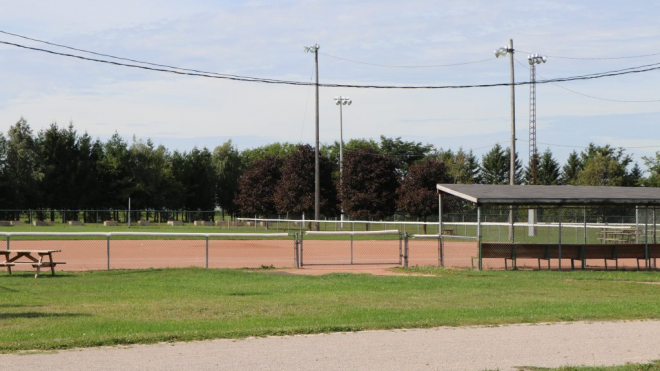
(58, 168)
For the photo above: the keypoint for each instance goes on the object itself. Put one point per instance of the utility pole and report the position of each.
(341, 101)
(512, 165)
(317, 178)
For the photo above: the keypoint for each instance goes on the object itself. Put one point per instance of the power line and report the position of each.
(592, 96)
(115, 57)
(572, 146)
(631, 70)
(407, 66)
(597, 58)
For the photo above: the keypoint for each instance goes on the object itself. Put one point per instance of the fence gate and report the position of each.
(351, 248)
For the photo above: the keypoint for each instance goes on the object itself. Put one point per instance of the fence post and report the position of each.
(295, 250)
(207, 251)
(301, 249)
(351, 249)
(405, 249)
(8, 238)
(108, 250)
(441, 251)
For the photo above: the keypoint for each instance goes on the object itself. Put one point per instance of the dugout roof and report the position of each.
(483, 194)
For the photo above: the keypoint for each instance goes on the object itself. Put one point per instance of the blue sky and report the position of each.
(266, 39)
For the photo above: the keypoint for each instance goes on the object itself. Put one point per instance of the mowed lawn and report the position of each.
(144, 306)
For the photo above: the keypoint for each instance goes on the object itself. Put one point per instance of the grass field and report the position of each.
(145, 306)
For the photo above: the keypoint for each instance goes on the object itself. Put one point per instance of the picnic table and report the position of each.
(617, 235)
(16, 257)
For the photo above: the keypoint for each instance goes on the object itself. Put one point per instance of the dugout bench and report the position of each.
(575, 252)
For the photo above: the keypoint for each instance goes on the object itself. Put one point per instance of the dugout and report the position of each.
(555, 224)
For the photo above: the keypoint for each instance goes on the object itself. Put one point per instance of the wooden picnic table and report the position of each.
(15, 257)
(618, 235)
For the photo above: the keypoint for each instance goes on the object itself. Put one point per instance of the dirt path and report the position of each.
(444, 348)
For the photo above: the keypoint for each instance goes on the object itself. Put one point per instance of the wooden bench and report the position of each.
(515, 251)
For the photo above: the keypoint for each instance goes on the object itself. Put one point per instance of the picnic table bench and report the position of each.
(13, 258)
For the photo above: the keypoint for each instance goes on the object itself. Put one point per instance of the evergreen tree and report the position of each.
(547, 170)
(22, 167)
(571, 169)
(228, 169)
(495, 167)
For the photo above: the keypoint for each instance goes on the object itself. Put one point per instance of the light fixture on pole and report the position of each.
(341, 101)
(317, 179)
(501, 52)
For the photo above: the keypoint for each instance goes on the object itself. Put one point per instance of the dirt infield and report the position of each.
(81, 255)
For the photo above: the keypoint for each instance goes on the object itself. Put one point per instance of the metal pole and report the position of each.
(351, 249)
(439, 213)
(317, 177)
(108, 251)
(559, 237)
(341, 155)
(636, 224)
(207, 251)
(646, 238)
(129, 212)
(8, 238)
(585, 225)
(479, 235)
(405, 257)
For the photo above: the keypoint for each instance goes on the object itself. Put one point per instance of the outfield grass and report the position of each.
(146, 306)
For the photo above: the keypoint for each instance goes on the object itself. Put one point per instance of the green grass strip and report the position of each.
(146, 306)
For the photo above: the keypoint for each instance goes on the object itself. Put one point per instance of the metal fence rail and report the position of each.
(140, 250)
(352, 248)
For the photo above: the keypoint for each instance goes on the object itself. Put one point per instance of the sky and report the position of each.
(379, 42)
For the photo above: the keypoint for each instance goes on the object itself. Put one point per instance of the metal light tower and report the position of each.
(317, 179)
(341, 101)
(533, 60)
(512, 165)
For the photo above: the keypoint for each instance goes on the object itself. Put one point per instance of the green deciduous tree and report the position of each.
(462, 167)
(369, 184)
(295, 191)
(256, 187)
(417, 194)
(603, 166)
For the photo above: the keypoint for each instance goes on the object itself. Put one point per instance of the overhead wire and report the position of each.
(407, 66)
(631, 70)
(596, 58)
(591, 96)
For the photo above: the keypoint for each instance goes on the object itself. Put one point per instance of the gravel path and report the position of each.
(444, 348)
